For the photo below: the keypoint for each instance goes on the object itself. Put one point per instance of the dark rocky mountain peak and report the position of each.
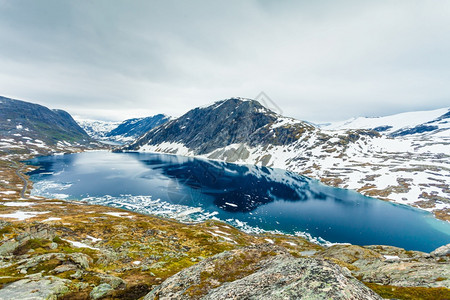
(223, 123)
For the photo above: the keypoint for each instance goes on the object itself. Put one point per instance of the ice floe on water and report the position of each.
(183, 213)
(147, 205)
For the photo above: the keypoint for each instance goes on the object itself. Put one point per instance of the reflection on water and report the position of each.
(250, 197)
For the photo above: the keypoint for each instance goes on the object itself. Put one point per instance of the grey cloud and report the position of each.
(319, 60)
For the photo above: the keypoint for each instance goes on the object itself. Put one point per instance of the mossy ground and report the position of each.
(419, 293)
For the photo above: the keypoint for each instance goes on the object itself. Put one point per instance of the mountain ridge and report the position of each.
(361, 159)
(20, 118)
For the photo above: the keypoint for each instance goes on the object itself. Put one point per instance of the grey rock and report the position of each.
(48, 287)
(404, 273)
(81, 259)
(77, 274)
(39, 231)
(395, 251)
(100, 291)
(53, 246)
(441, 251)
(65, 268)
(113, 281)
(81, 285)
(348, 253)
(34, 261)
(276, 275)
(305, 278)
(107, 258)
(8, 247)
(158, 265)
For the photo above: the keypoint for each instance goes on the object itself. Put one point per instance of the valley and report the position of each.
(73, 250)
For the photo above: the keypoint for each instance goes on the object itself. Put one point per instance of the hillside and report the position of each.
(29, 123)
(410, 169)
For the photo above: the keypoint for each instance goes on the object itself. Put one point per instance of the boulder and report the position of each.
(348, 253)
(100, 291)
(441, 251)
(36, 288)
(81, 259)
(262, 272)
(8, 247)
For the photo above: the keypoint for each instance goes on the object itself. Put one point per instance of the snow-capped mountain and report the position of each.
(435, 122)
(131, 129)
(97, 129)
(233, 121)
(409, 169)
(125, 131)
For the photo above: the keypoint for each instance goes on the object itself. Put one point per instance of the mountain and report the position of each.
(411, 169)
(97, 129)
(227, 122)
(133, 128)
(410, 123)
(34, 123)
(125, 131)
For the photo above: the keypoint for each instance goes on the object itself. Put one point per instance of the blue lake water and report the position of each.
(254, 199)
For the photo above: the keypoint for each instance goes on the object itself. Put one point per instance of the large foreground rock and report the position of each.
(262, 272)
(441, 251)
(35, 288)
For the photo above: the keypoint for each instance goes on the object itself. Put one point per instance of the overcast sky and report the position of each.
(317, 60)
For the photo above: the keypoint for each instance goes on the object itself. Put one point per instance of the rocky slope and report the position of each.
(410, 169)
(36, 124)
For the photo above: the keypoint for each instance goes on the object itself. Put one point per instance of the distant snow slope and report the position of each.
(429, 122)
(97, 129)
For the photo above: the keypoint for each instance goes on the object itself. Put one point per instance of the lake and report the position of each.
(254, 199)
